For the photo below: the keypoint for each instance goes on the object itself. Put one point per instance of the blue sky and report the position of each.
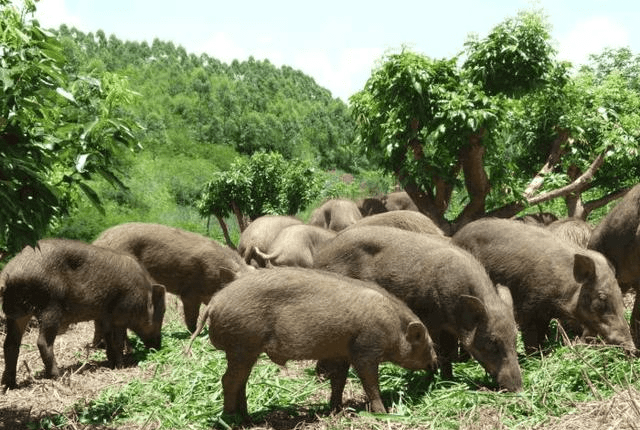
(338, 42)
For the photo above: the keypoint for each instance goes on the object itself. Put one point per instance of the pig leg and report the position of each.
(15, 330)
(234, 382)
(46, 337)
(635, 319)
(533, 334)
(191, 307)
(114, 339)
(368, 373)
(448, 347)
(98, 335)
(336, 371)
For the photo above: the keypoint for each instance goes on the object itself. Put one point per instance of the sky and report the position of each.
(339, 42)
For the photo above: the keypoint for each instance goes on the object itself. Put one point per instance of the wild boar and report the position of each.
(189, 265)
(297, 314)
(259, 234)
(61, 282)
(335, 214)
(399, 200)
(573, 230)
(294, 245)
(444, 285)
(403, 219)
(540, 218)
(371, 206)
(617, 236)
(548, 278)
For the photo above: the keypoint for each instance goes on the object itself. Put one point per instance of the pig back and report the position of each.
(185, 262)
(425, 271)
(617, 237)
(295, 313)
(261, 233)
(403, 219)
(80, 277)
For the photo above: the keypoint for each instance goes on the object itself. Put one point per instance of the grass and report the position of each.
(186, 392)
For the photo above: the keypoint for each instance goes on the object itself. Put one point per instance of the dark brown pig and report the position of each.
(61, 282)
(548, 278)
(294, 245)
(573, 230)
(444, 285)
(371, 206)
(297, 314)
(617, 236)
(259, 234)
(189, 265)
(335, 214)
(399, 200)
(404, 219)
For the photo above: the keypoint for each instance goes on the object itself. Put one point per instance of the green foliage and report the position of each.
(265, 183)
(415, 114)
(194, 105)
(56, 130)
(514, 58)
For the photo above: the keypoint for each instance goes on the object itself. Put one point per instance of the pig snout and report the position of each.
(509, 378)
(613, 334)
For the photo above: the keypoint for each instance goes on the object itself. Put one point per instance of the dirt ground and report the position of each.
(85, 375)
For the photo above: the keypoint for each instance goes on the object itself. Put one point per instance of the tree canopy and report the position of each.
(503, 126)
(56, 130)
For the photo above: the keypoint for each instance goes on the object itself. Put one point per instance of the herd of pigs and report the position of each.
(355, 286)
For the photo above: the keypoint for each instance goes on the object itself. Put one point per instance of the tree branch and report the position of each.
(577, 186)
(598, 203)
(554, 157)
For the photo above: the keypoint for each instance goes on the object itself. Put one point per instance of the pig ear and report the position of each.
(584, 269)
(227, 275)
(470, 312)
(416, 331)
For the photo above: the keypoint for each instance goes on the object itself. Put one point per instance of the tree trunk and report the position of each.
(475, 180)
(225, 232)
(242, 223)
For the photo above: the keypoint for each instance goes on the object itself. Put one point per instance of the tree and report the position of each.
(265, 183)
(56, 130)
(508, 129)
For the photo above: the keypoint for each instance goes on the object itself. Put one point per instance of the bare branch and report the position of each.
(577, 186)
(554, 157)
(598, 203)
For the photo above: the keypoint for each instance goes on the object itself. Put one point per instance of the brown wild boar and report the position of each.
(298, 314)
(399, 200)
(548, 278)
(371, 206)
(617, 236)
(61, 282)
(573, 230)
(294, 245)
(189, 265)
(402, 219)
(259, 234)
(444, 285)
(335, 214)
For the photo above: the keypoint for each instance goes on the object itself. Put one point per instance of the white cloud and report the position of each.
(52, 13)
(591, 37)
(222, 47)
(344, 75)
